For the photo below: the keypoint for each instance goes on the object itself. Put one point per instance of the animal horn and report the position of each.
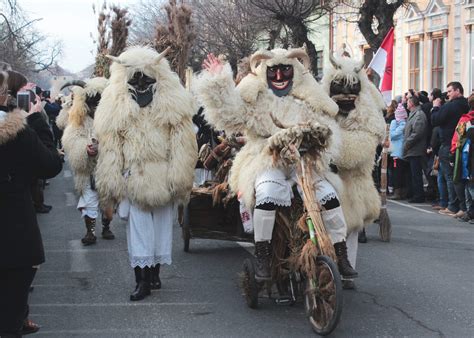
(300, 53)
(162, 54)
(79, 83)
(256, 57)
(359, 66)
(114, 58)
(334, 62)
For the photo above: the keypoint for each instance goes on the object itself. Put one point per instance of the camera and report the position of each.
(46, 94)
(24, 99)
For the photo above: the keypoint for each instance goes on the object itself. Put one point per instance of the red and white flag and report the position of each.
(382, 64)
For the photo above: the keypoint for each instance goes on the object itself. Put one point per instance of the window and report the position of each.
(415, 65)
(320, 63)
(437, 67)
(368, 56)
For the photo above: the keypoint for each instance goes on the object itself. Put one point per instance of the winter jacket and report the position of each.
(459, 147)
(435, 142)
(447, 117)
(397, 129)
(37, 122)
(415, 133)
(23, 157)
(460, 130)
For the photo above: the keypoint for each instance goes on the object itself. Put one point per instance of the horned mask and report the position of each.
(280, 68)
(141, 82)
(345, 85)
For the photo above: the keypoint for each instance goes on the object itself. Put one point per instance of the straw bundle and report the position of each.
(385, 230)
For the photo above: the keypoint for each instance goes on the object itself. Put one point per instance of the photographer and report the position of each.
(447, 117)
(37, 121)
(24, 157)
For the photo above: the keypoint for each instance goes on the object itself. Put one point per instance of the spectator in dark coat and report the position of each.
(414, 146)
(447, 117)
(23, 157)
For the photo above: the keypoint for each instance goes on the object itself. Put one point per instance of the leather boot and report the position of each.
(345, 268)
(142, 277)
(155, 277)
(262, 263)
(89, 238)
(106, 232)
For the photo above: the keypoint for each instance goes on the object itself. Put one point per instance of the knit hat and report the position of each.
(400, 113)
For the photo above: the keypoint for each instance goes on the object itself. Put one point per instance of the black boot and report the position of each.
(89, 238)
(362, 237)
(155, 277)
(106, 232)
(142, 277)
(262, 263)
(345, 268)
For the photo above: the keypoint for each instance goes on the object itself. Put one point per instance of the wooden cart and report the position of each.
(204, 218)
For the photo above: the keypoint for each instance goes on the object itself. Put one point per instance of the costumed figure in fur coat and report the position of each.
(362, 126)
(63, 116)
(147, 154)
(279, 89)
(80, 145)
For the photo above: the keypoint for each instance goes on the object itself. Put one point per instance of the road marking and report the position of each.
(78, 259)
(80, 250)
(67, 173)
(70, 199)
(411, 207)
(138, 304)
(249, 247)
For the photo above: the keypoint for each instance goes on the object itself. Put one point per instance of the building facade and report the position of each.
(434, 43)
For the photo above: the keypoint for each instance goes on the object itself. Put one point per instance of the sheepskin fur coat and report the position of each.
(79, 133)
(63, 116)
(361, 131)
(246, 109)
(146, 154)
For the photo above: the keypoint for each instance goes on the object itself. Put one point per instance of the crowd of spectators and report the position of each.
(431, 158)
(29, 156)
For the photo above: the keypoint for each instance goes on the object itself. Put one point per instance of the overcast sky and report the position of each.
(71, 21)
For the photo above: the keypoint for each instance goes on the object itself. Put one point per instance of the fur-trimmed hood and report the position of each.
(10, 125)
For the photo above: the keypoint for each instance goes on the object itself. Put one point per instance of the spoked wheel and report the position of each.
(249, 284)
(323, 296)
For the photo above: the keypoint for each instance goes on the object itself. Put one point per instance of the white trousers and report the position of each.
(88, 203)
(149, 235)
(273, 186)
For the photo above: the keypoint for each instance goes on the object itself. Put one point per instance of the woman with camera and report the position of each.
(23, 157)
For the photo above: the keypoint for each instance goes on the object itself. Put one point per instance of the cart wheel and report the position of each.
(249, 284)
(186, 238)
(323, 296)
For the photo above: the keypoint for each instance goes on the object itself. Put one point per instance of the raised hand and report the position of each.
(212, 64)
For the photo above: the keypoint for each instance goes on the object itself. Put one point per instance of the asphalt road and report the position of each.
(419, 285)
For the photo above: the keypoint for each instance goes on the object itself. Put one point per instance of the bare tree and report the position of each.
(381, 13)
(229, 28)
(295, 16)
(146, 15)
(21, 45)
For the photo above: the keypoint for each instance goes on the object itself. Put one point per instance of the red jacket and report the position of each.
(463, 120)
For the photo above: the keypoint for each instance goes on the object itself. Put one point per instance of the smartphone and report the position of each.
(23, 100)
